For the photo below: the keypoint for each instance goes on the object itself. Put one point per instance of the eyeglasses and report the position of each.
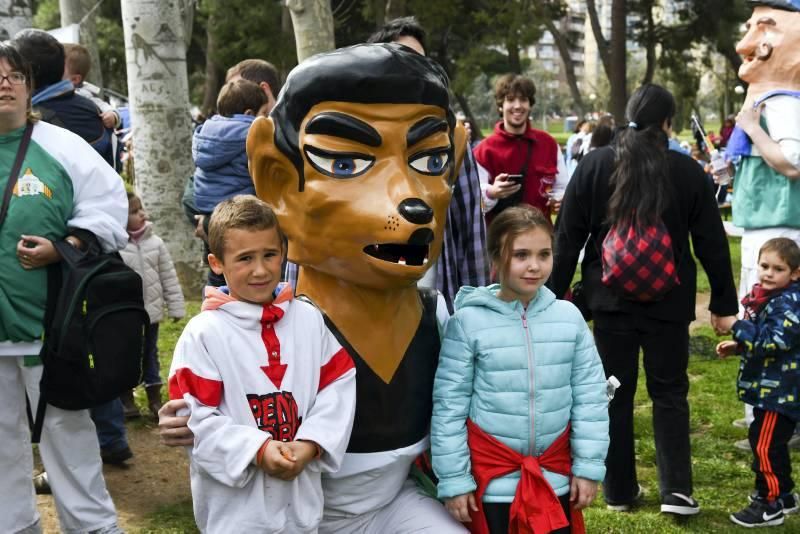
(15, 78)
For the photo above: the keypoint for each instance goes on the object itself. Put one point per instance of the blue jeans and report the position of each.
(150, 365)
(109, 418)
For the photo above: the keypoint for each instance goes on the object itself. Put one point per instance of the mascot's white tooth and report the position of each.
(425, 261)
(401, 261)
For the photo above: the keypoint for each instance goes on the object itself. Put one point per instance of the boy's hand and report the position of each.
(173, 428)
(727, 348)
(460, 505)
(582, 492)
(278, 460)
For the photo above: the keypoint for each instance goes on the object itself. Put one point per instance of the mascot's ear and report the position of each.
(460, 149)
(273, 174)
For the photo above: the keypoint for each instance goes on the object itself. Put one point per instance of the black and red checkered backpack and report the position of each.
(639, 261)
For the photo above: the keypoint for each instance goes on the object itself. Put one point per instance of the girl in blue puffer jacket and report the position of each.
(520, 417)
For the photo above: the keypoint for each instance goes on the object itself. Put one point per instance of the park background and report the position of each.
(585, 56)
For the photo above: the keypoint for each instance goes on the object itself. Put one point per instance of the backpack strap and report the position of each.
(14, 176)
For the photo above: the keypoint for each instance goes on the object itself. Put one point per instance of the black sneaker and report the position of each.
(626, 507)
(680, 504)
(790, 501)
(759, 513)
(117, 457)
(41, 484)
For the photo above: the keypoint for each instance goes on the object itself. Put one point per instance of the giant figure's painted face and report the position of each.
(361, 188)
(770, 49)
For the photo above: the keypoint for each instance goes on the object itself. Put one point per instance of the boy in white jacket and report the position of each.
(271, 392)
(146, 254)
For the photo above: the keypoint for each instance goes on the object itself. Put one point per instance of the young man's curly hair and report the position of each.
(511, 85)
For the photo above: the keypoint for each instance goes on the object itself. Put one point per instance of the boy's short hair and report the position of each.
(45, 55)
(240, 96)
(77, 59)
(257, 71)
(513, 85)
(245, 212)
(399, 27)
(786, 249)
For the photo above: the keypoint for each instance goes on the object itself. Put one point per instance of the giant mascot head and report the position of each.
(358, 158)
(770, 48)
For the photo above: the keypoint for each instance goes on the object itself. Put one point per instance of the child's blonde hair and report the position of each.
(240, 96)
(77, 59)
(509, 225)
(242, 212)
(786, 249)
(132, 198)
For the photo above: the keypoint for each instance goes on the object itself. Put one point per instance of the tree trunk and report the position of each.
(650, 45)
(379, 13)
(72, 12)
(395, 9)
(602, 43)
(313, 27)
(618, 76)
(214, 75)
(15, 15)
(514, 62)
(158, 89)
(464, 104)
(569, 65)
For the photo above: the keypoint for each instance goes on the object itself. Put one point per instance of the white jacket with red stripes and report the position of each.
(251, 373)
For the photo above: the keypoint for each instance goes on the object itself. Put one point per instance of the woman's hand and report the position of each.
(460, 505)
(34, 251)
(722, 324)
(582, 492)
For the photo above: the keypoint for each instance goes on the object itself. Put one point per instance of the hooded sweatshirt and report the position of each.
(251, 373)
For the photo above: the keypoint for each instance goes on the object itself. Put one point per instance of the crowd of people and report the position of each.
(340, 348)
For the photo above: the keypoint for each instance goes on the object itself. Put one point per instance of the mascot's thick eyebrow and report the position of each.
(344, 126)
(425, 128)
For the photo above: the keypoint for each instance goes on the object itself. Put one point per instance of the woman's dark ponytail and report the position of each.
(640, 178)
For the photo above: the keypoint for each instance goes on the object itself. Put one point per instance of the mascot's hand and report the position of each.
(460, 506)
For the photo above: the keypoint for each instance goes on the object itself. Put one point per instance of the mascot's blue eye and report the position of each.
(343, 166)
(338, 166)
(430, 163)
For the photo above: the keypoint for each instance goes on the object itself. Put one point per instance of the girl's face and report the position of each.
(136, 215)
(529, 266)
(773, 272)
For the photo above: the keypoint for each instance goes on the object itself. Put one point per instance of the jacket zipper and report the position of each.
(532, 389)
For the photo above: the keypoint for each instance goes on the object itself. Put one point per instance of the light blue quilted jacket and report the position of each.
(522, 376)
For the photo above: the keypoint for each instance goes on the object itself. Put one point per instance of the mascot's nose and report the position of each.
(414, 210)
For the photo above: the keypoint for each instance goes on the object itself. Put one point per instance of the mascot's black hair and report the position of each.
(377, 73)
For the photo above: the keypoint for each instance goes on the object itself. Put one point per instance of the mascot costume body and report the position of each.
(358, 159)
(766, 142)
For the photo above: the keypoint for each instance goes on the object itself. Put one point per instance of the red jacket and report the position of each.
(535, 508)
(505, 152)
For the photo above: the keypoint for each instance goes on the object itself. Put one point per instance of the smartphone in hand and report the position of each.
(516, 178)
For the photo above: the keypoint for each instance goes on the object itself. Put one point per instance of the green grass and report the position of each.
(735, 247)
(722, 476)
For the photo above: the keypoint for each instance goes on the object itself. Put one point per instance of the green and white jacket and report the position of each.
(63, 184)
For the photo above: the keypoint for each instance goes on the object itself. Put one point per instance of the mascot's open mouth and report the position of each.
(415, 252)
(401, 254)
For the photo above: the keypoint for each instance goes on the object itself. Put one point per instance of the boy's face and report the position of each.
(252, 264)
(773, 272)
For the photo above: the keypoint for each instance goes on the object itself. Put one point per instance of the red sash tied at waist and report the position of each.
(535, 508)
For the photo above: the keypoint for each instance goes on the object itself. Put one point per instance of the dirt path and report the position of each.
(157, 476)
(701, 311)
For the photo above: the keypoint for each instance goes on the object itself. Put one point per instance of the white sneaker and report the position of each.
(680, 504)
(627, 506)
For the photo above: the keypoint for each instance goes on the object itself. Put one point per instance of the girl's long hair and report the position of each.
(640, 178)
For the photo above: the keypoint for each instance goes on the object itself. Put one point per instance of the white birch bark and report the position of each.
(15, 15)
(72, 12)
(313, 27)
(158, 90)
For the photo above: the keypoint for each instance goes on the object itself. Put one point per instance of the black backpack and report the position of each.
(94, 330)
